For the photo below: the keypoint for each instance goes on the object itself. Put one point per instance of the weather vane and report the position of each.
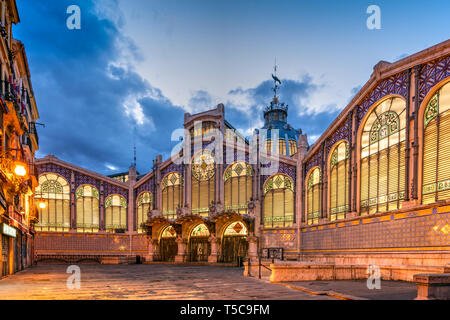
(275, 79)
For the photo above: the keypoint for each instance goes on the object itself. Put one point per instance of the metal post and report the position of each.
(259, 267)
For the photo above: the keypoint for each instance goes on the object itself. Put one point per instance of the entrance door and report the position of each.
(5, 256)
(233, 248)
(199, 249)
(234, 243)
(168, 248)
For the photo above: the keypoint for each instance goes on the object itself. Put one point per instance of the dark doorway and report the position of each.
(199, 249)
(234, 249)
(168, 249)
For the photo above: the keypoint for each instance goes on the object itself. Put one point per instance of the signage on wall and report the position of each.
(8, 230)
(272, 253)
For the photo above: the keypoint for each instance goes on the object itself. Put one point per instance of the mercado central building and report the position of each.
(374, 188)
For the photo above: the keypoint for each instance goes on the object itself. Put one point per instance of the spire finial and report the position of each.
(275, 79)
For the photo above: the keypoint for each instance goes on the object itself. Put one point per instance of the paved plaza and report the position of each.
(154, 282)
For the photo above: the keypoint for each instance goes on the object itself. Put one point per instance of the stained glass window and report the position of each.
(88, 213)
(314, 196)
(383, 157)
(169, 232)
(144, 205)
(269, 145)
(172, 194)
(436, 147)
(338, 183)
(292, 147)
(282, 146)
(203, 182)
(115, 213)
(238, 187)
(200, 230)
(54, 191)
(236, 229)
(278, 201)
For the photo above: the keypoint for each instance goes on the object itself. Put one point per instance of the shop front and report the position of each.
(9, 255)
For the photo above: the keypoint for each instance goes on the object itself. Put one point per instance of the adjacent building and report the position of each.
(374, 188)
(18, 144)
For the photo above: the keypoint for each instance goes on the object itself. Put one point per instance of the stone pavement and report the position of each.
(154, 282)
(357, 289)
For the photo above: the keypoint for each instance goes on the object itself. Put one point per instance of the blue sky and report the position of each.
(143, 63)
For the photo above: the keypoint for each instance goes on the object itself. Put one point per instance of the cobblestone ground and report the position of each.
(154, 282)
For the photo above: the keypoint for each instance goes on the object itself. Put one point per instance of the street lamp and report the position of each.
(20, 170)
(42, 205)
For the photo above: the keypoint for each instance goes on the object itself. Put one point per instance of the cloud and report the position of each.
(87, 91)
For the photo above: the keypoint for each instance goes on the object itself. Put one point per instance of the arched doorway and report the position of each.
(168, 245)
(199, 247)
(234, 242)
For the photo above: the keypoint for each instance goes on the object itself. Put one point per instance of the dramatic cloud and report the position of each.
(96, 106)
(88, 94)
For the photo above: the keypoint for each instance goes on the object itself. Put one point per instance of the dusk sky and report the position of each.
(144, 63)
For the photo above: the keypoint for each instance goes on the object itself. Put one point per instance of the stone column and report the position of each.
(132, 177)
(214, 249)
(73, 200)
(153, 249)
(252, 247)
(180, 257)
(302, 147)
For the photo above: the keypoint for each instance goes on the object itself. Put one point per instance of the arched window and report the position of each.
(87, 199)
(436, 147)
(383, 157)
(338, 185)
(292, 147)
(282, 146)
(203, 182)
(278, 201)
(54, 191)
(238, 187)
(172, 194)
(314, 196)
(115, 213)
(144, 205)
(269, 145)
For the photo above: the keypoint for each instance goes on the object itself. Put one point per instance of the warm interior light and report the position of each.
(42, 205)
(20, 170)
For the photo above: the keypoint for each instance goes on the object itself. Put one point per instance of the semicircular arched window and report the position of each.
(314, 196)
(238, 187)
(87, 205)
(115, 213)
(54, 191)
(172, 194)
(436, 147)
(143, 205)
(278, 201)
(383, 157)
(203, 182)
(338, 184)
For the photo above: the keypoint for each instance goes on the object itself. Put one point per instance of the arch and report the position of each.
(313, 195)
(338, 182)
(144, 204)
(292, 147)
(236, 228)
(88, 208)
(238, 186)
(54, 190)
(115, 213)
(168, 246)
(199, 230)
(199, 246)
(278, 192)
(203, 182)
(434, 128)
(171, 194)
(381, 152)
